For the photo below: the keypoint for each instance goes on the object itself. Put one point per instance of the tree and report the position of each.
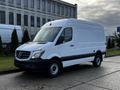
(1, 45)
(117, 39)
(110, 43)
(26, 37)
(14, 41)
(113, 43)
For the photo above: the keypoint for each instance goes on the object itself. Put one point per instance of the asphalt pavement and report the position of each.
(82, 77)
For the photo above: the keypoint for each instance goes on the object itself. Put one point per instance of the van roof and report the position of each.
(4, 26)
(72, 22)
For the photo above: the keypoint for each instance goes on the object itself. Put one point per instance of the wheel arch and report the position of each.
(99, 52)
(57, 59)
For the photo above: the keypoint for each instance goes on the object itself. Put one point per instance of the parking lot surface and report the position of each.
(81, 77)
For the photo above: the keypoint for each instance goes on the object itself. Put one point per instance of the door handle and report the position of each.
(71, 45)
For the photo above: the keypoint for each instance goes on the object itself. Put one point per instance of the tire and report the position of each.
(97, 61)
(54, 69)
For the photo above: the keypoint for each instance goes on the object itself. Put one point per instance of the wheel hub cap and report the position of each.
(54, 69)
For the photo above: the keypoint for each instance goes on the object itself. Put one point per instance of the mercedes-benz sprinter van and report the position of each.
(62, 43)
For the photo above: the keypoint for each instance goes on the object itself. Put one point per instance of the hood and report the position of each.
(33, 46)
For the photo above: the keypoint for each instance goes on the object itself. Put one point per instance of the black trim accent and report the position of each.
(67, 58)
(41, 65)
(33, 64)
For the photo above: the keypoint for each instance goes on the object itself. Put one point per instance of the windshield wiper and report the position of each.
(41, 42)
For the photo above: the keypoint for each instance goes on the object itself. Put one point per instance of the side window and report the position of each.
(65, 36)
(68, 34)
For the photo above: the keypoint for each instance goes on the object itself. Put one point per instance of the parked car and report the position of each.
(62, 43)
(6, 32)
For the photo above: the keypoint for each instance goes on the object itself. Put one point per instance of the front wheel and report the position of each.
(54, 69)
(97, 61)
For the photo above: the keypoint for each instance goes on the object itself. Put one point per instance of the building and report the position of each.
(32, 14)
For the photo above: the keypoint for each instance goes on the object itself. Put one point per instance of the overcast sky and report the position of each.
(105, 12)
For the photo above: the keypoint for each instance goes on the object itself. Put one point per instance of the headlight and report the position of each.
(37, 54)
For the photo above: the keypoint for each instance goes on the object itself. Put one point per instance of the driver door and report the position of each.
(65, 45)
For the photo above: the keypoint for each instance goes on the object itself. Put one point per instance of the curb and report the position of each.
(10, 71)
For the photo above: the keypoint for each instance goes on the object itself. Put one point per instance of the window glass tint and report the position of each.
(38, 21)
(38, 4)
(53, 7)
(11, 1)
(49, 20)
(65, 36)
(47, 34)
(32, 21)
(58, 9)
(32, 4)
(11, 18)
(26, 20)
(68, 34)
(18, 2)
(43, 5)
(18, 19)
(49, 6)
(43, 21)
(2, 17)
(26, 4)
(2, 0)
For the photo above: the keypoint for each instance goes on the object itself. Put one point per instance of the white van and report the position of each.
(6, 32)
(62, 43)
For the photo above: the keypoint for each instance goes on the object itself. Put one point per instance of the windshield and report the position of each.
(47, 34)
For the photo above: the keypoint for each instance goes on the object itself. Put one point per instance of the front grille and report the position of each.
(22, 54)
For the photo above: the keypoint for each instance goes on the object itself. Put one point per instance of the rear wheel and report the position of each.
(97, 61)
(54, 69)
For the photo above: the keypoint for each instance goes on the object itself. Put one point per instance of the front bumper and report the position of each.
(32, 65)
